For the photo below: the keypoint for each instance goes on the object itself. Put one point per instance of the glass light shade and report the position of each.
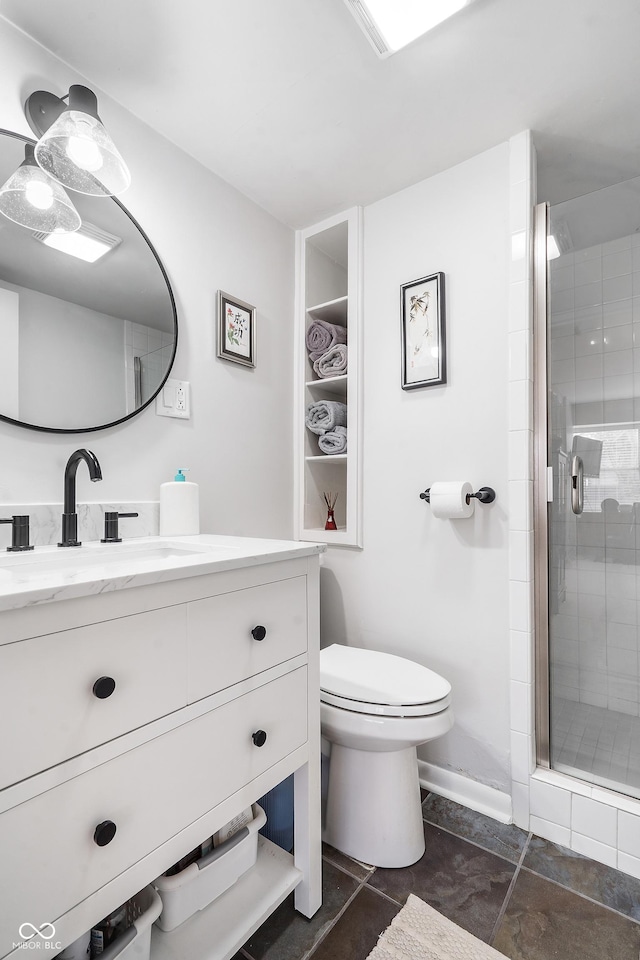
(78, 152)
(32, 199)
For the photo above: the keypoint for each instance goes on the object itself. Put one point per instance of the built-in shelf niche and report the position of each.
(329, 287)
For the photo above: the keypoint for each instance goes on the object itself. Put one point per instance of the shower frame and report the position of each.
(542, 487)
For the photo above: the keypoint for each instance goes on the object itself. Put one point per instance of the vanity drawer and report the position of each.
(47, 687)
(222, 647)
(149, 793)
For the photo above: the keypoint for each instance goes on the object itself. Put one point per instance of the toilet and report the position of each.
(375, 709)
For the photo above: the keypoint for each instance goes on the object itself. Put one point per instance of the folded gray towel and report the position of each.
(325, 415)
(322, 335)
(333, 363)
(335, 441)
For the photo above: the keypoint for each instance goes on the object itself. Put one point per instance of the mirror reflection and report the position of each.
(85, 343)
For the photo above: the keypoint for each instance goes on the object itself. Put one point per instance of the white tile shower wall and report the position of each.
(595, 366)
(591, 820)
(44, 522)
(155, 348)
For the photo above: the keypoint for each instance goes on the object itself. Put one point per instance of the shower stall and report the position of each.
(587, 340)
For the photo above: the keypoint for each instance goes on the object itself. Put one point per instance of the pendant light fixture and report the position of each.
(74, 147)
(33, 200)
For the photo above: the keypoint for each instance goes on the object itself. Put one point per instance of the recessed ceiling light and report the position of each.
(89, 243)
(392, 24)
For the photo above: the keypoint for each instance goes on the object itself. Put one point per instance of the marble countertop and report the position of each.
(51, 573)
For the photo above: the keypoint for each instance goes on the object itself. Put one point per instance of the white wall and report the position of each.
(432, 590)
(209, 236)
(9, 341)
(56, 336)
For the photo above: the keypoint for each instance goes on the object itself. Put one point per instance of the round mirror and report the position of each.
(84, 345)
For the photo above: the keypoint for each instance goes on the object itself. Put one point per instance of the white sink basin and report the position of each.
(93, 559)
(33, 564)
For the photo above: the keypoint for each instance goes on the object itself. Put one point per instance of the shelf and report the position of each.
(327, 458)
(323, 381)
(335, 386)
(320, 535)
(329, 276)
(335, 311)
(220, 930)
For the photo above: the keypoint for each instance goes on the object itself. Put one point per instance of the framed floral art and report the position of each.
(236, 330)
(423, 332)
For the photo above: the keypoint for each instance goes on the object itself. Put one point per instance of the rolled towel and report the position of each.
(325, 415)
(322, 335)
(333, 363)
(333, 442)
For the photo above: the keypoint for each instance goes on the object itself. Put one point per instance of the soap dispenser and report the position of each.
(179, 507)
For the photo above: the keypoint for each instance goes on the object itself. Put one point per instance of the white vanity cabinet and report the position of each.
(138, 708)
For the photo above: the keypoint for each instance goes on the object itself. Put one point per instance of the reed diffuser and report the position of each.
(330, 500)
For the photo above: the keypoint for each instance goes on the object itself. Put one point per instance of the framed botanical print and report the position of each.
(423, 332)
(236, 330)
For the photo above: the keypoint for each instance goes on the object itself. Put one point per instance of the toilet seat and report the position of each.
(385, 709)
(380, 684)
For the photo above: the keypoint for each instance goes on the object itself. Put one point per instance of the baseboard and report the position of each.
(470, 793)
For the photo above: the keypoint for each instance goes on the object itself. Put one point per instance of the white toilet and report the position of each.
(375, 709)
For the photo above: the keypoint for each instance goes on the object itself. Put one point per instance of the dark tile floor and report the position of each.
(529, 898)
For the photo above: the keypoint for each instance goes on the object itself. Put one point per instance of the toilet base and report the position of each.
(373, 811)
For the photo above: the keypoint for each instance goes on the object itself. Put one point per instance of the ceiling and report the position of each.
(287, 101)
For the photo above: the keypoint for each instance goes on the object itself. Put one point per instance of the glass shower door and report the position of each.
(593, 433)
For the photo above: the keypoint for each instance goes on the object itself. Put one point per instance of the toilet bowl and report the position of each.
(375, 709)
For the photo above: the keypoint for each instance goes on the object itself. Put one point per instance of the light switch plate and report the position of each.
(174, 400)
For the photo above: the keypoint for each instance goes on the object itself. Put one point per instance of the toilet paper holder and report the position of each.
(484, 495)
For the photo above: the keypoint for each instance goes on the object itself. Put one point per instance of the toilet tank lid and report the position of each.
(374, 677)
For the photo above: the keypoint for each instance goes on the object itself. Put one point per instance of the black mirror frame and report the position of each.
(129, 416)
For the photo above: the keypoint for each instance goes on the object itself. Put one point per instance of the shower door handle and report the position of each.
(577, 485)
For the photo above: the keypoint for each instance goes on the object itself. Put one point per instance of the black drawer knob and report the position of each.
(259, 633)
(104, 833)
(104, 687)
(259, 738)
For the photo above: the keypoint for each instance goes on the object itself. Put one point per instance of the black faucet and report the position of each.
(70, 517)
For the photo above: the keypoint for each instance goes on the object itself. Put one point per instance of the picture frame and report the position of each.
(236, 330)
(422, 305)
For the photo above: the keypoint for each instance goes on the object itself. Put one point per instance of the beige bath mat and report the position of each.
(420, 933)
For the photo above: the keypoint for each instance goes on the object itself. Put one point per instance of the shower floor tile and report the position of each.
(596, 744)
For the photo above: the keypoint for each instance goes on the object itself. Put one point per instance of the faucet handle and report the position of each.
(111, 526)
(19, 533)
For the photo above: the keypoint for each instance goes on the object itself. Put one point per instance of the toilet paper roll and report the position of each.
(448, 499)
